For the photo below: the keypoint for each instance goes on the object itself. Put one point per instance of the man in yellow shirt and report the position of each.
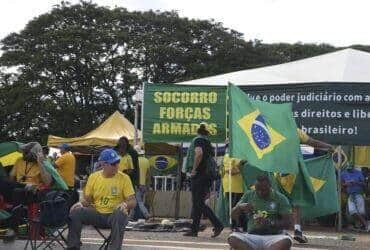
(66, 165)
(27, 174)
(108, 196)
(231, 172)
(127, 154)
(306, 139)
(28, 169)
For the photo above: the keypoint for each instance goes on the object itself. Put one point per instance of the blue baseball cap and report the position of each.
(64, 146)
(109, 156)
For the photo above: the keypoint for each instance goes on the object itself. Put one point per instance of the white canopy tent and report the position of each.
(348, 65)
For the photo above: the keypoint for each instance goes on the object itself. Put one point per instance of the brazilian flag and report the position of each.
(266, 136)
(263, 133)
(322, 173)
(163, 164)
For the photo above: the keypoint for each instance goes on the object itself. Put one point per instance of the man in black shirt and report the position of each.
(199, 153)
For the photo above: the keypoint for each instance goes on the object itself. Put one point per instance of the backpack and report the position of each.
(54, 209)
(212, 170)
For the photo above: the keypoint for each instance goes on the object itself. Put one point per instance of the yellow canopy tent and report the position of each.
(107, 134)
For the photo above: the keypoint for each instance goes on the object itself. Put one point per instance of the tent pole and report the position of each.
(178, 183)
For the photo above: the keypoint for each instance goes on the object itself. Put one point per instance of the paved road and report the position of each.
(175, 241)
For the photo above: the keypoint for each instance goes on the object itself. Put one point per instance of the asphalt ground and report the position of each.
(318, 240)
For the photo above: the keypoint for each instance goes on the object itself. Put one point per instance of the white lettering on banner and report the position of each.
(330, 130)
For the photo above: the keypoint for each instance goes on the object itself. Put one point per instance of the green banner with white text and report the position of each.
(172, 113)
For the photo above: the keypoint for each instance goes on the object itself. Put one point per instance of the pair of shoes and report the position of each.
(190, 234)
(217, 231)
(298, 236)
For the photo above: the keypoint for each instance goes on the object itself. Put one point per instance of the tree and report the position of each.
(78, 63)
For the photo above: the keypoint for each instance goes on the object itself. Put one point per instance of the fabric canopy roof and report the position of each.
(348, 65)
(107, 134)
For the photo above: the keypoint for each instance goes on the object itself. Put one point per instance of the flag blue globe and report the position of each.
(260, 133)
(161, 162)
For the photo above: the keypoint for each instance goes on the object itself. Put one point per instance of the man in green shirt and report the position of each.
(269, 212)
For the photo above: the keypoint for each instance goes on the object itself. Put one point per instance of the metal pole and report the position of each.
(339, 226)
(178, 184)
(230, 195)
(214, 182)
(136, 122)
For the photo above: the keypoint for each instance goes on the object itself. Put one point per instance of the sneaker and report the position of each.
(217, 231)
(298, 236)
(190, 234)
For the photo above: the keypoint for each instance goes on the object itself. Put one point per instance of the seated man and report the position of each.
(28, 172)
(354, 184)
(108, 196)
(269, 213)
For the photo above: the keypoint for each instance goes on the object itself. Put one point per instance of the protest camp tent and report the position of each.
(107, 134)
(347, 65)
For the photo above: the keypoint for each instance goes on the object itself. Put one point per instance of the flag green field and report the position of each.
(263, 133)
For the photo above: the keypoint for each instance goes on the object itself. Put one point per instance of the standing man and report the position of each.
(108, 196)
(305, 139)
(129, 159)
(66, 165)
(269, 212)
(353, 183)
(198, 156)
(144, 166)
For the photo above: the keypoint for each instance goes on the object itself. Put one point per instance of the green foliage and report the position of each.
(75, 65)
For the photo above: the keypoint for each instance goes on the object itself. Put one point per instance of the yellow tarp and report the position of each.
(10, 159)
(362, 156)
(107, 134)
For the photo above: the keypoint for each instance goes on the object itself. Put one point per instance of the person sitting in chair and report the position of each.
(269, 212)
(353, 183)
(28, 173)
(108, 196)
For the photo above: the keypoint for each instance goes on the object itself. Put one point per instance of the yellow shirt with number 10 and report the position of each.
(108, 193)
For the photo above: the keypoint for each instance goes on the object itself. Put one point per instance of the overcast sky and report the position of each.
(337, 22)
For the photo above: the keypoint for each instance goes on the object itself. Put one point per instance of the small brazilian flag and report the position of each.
(263, 133)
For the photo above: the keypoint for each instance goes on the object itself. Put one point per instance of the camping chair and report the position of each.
(47, 234)
(106, 238)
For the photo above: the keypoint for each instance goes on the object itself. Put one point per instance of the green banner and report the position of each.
(172, 113)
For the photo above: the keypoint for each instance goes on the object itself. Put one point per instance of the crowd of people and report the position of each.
(260, 216)
(114, 193)
(109, 198)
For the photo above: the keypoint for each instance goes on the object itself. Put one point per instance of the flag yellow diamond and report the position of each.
(246, 123)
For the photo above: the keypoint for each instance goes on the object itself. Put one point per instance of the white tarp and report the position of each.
(348, 65)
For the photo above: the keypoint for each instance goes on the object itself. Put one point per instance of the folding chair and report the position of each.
(46, 224)
(107, 239)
